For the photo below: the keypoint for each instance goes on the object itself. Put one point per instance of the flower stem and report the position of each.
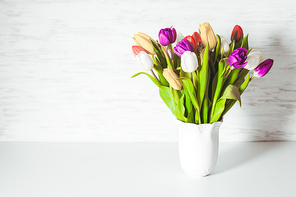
(154, 75)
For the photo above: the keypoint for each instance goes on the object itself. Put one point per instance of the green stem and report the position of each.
(154, 75)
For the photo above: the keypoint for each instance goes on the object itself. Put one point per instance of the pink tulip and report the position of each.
(137, 49)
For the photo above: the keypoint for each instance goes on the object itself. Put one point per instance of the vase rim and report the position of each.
(219, 121)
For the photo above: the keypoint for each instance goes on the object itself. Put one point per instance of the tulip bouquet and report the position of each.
(199, 76)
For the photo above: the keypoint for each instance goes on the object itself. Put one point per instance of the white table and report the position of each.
(248, 169)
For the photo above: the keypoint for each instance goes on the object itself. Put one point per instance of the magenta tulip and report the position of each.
(167, 36)
(182, 46)
(238, 58)
(263, 68)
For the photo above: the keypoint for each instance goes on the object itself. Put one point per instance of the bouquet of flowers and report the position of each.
(199, 76)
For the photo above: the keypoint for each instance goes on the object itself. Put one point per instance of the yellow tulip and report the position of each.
(142, 40)
(172, 78)
(207, 35)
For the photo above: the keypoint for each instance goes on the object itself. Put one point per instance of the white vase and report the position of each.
(198, 147)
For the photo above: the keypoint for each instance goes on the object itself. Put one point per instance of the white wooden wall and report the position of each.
(65, 69)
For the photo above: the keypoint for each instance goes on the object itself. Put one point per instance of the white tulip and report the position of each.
(224, 45)
(145, 60)
(253, 60)
(189, 62)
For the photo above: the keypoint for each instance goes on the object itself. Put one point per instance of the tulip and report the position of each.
(239, 34)
(182, 46)
(189, 62)
(224, 45)
(192, 41)
(207, 35)
(167, 36)
(143, 40)
(238, 57)
(253, 60)
(263, 68)
(145, 60)
(137, 49)
(172, 78)
(197, 38)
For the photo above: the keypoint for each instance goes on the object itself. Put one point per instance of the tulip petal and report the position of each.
(254, 59)
(163, 39)
(174, 34)
(231, 60)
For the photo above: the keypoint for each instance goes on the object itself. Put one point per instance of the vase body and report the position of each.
(198, 147)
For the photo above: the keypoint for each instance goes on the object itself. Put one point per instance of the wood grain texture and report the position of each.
(65, 69)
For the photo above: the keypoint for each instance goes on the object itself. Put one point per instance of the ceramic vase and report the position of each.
(198, 147)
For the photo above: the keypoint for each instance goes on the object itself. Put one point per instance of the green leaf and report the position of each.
(244, 84)
(241, 76)
(219, 108)
(159, 54)
(167, 97)
(155, 81)
(214, 85)
(175, 94)
(217, 49)
(205, 109)
(234, 37)
(190, 117)
(188, 104)
(159, 71)
(203, 76)
(180, 109)
(189, 89)
(219, 86)
(245, 43)
(195, 78)
(184, 74)
(242, 88)
(231, 48)
(231, 93)
(233, 76)
(197, 118)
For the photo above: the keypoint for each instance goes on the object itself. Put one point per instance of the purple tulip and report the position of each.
(182, 46)
(167, 36)
(238, 58)
(263, 68)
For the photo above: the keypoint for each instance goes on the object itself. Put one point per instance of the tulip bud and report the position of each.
(238, 57)
(167, 36)
(172, 78)
(145, 60)
(143, 40)
(137, 49)
(189, 62)
(182, 46)
(253, 60)
(239, 34)
(224, 45)
(207, 35)
(263, 68)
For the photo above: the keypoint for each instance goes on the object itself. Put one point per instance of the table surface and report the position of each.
(143, 169)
